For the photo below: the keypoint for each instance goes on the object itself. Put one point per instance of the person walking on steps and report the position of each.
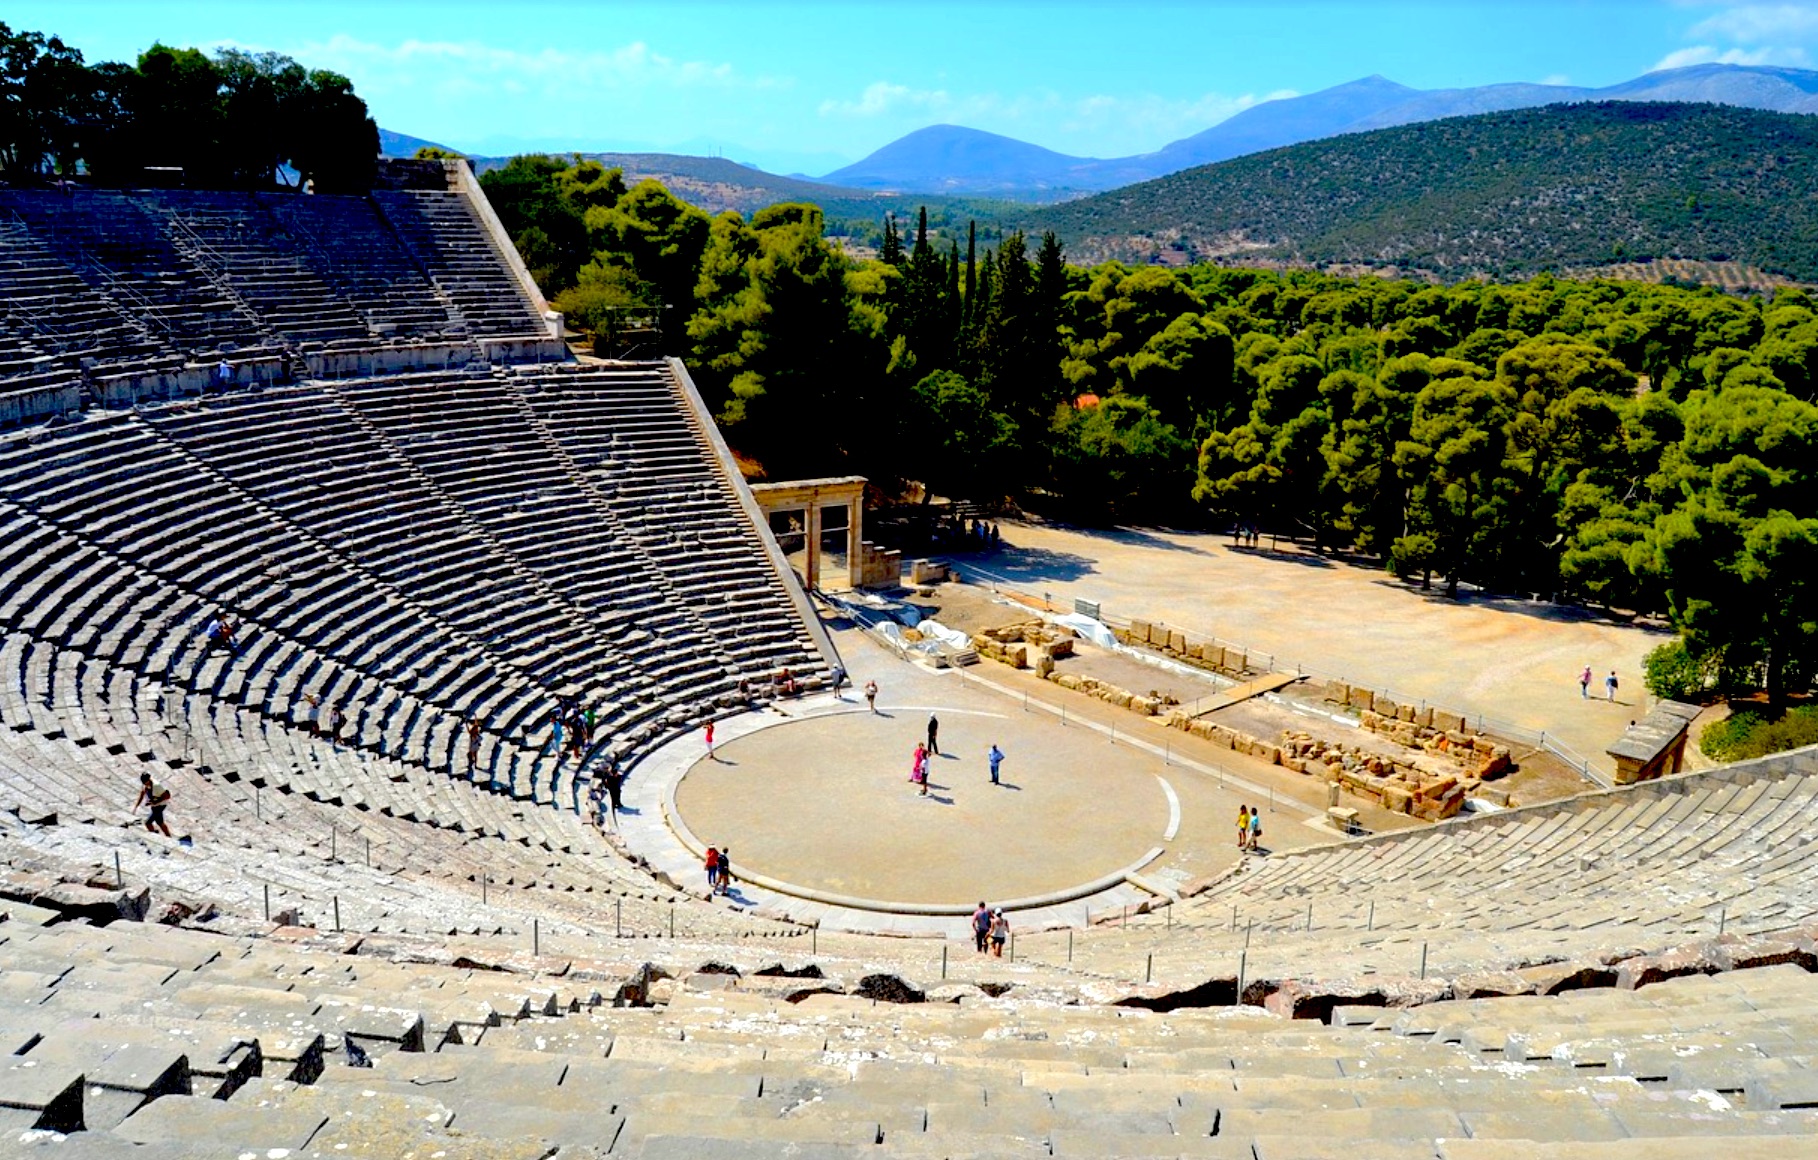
(981, 926)
(871, 695)
(473, 745)
(614, 780)
(157, 797)
(995, 757)
(726, 871)
(1584, 683)
(713, 870)
(934, 734)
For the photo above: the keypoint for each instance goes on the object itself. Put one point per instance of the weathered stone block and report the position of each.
(1145, 706)
(1361, 699)
(1061, 648)
(1177, 642)
(1158, 635)
(1139, 631)
(1044, 664)
(1067, 681)
(1397, 799)
(1385, 707)
(1406, 713)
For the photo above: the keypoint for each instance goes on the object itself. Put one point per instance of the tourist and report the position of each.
(934, 733)
(981, 925)
(713, 869)
(1609, 685)
(555, 729)
(588, 720)
(709, 734)
(918, 768)
(1243, 826)
(1255, 829)
(157, 797)
(614, 780)
(473, 745)
(996, 757)
(337, 721)
(1000, 931)
(839, 679)
(596, 803)
(1584, 683)
(871, 695)
(726, 871)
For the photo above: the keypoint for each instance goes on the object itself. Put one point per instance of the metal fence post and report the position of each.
(943, 962)
(1423, 960)
(119, 878)
(268, 902)
(1149, 970)
(337, 912)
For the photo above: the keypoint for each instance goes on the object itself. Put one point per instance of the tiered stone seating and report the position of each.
(442, 232)
(49, 311)
(629, 441)
(1541, 892)
(156, 284)
(236, 239)
(123, 252)
(352, 247)
(256, 1046)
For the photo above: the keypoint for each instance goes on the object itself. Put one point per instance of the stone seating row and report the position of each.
(120, 250)
(472, 1063)
(124, 276)
(444, 234)
(1586, 881)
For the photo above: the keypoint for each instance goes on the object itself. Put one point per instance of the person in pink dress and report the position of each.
(918, 768)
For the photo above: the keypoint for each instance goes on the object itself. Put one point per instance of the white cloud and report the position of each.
(1098, 124)
(1756, 23)
(1710, 54)
(1556, 79)
(1749, 34)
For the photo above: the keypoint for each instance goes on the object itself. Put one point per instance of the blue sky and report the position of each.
(806, 87)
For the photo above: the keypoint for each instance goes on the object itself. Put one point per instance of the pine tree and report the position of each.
(892, 250)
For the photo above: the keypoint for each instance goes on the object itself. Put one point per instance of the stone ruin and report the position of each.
(1229, 662)
(1027, 644)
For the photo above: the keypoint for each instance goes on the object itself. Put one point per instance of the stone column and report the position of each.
(813, 524)
(855, 537)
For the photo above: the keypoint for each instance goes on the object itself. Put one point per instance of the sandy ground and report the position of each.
(1506, 660)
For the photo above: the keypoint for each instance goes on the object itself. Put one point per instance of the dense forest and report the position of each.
(1647, 447)
(235, 120)
(1506, 194)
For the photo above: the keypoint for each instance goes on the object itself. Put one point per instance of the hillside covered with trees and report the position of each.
(234, 120)
(1647, 447)
(1505, 194)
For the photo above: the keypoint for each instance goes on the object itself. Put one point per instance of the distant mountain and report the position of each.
(404, 145)
(954, 159)
(1281, 122)
(1510, 193)
(948, 157)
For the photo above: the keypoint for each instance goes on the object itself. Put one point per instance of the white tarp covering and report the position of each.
(1088, 628)
(950, 637)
